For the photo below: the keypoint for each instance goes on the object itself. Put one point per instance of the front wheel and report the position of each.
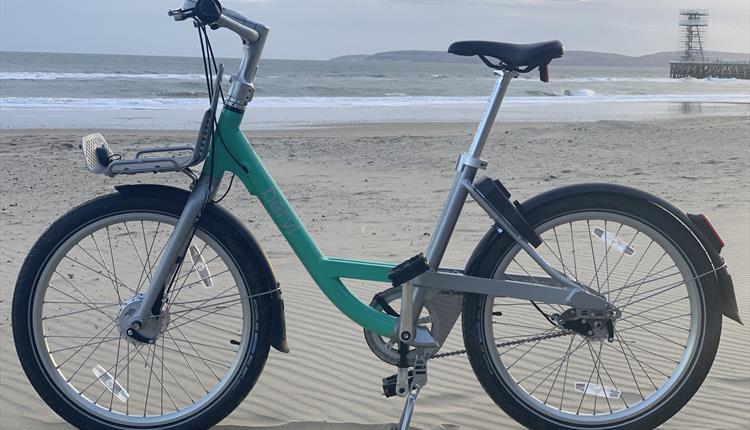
(642, 260)
(86, 275)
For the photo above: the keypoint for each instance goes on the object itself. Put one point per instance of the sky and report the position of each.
(321, 29)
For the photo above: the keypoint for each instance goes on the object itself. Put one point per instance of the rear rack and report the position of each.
(100, 158)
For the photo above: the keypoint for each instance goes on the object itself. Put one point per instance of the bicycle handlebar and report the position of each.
(237, 23)
(211, 13)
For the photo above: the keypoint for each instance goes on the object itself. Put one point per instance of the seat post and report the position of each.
(466, 170)
(490, 113)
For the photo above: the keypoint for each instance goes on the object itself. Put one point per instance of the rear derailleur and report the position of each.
(591, 324)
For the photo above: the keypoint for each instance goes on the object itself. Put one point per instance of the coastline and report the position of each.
(268, 115)
(380, 192)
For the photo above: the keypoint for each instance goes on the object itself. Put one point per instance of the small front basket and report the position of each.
(100, 158)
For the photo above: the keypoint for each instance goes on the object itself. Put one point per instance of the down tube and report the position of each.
(259, 182)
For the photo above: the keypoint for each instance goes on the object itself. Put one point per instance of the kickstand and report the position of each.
(403, 423)
(418, 381)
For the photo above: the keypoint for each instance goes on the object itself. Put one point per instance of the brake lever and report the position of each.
(181, 14)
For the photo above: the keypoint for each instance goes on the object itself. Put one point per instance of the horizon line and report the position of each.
(331, 58)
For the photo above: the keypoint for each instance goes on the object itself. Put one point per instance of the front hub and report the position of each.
(144, 331)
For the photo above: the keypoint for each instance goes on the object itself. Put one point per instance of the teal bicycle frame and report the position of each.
(327, 272)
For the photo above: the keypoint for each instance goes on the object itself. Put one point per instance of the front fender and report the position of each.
(721, 281)
(278, 326)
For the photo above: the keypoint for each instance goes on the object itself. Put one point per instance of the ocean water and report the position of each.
(38, 89)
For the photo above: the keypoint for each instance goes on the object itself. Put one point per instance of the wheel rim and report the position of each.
(637, 364)
(77, 303)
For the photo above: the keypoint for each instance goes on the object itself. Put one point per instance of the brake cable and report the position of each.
(209, 61)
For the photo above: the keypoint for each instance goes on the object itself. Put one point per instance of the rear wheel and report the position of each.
(549, 377)
(84, 278)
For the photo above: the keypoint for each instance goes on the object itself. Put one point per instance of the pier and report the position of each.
(716, 69)
(693, 62)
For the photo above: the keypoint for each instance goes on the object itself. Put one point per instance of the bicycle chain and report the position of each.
(510, 343)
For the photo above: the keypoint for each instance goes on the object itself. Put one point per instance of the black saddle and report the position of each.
(512, 56)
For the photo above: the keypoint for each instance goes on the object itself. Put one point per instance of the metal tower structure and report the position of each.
(693, 25)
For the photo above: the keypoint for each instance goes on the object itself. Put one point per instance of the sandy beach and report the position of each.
(374, 191)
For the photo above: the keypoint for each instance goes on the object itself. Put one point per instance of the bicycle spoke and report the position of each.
(524, 354)
(627, 361)
(113, 278)
(98, 272)
(593, 258)
(550, 364)
(174, 294)
(184, 357)
(617, 263)
(87, 303)
(583, 395)
(659, 306)
(114, 268)
(89, 343)
(646, 277)
(614, 384)
(637, 265)
(598, 374)
(146, 273)
(197, 354)
(565, 358)
(573, 247)
(653, 321)
(117, 360)
(96, 347)
(99, 308)
(640, 363)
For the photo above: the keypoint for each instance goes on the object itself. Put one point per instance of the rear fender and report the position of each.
(720, 281)
(278, 326)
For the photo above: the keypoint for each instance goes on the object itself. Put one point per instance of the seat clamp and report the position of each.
(467, 160)
(513, 73)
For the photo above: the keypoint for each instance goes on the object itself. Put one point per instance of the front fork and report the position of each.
(204, 188)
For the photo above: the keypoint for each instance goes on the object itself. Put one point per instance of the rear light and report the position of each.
(708, 230)
(713, 230)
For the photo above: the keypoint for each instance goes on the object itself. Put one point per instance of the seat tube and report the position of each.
(457, 195)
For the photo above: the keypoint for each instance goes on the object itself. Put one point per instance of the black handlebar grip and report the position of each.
(207, 12)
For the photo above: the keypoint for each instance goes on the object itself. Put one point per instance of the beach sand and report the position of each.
(374, 192)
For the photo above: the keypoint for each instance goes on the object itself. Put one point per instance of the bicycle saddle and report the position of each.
(519, 57)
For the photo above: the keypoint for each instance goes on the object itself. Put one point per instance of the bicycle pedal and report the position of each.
(408, 270)
(389, 384)
(96, 152)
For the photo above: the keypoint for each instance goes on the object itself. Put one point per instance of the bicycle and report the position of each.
(112, 298)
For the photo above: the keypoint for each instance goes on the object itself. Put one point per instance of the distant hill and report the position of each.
(571, 58)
